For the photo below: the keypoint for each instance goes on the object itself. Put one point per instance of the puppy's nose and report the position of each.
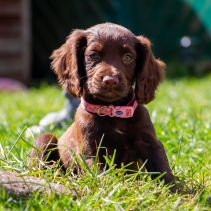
(110, 81)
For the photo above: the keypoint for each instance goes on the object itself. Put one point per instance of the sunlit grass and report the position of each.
(181, 114)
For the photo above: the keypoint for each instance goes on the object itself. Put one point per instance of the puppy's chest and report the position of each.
(113, 130)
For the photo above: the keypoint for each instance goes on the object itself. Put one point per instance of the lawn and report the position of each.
(181, 114)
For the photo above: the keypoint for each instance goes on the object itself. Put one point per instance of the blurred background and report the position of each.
(30, 30)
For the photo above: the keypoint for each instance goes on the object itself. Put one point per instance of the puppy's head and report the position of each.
(105, 61)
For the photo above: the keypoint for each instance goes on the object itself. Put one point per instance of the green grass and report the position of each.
(181, 114)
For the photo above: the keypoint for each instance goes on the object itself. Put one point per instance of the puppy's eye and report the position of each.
(94, 56)
(127, 57)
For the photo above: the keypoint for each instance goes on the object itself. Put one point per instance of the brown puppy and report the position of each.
(100, 65)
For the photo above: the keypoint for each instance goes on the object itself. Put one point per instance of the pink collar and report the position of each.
(112, 111)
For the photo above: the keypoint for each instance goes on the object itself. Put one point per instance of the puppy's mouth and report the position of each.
(110, 95)
(107, 94)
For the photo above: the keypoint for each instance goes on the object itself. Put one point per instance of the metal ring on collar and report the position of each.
(98, 111)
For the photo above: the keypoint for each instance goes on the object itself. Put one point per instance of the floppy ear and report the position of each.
(149, 72)
(68, 63)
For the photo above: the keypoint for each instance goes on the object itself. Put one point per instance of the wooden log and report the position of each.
(18, 185)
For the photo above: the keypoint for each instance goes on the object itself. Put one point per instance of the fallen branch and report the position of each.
(19, 185)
